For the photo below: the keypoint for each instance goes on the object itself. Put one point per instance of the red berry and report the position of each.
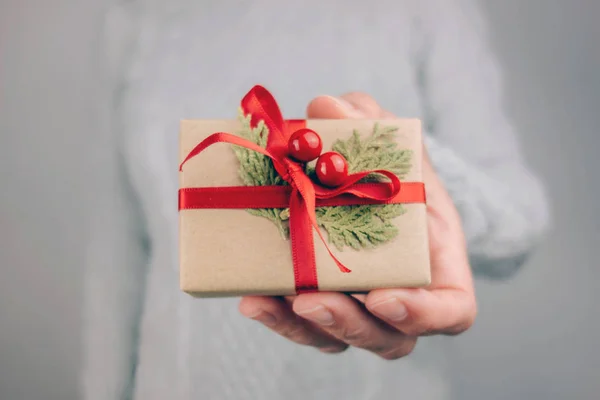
(332, 169)
(305, 145)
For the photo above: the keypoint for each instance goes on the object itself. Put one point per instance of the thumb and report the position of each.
(351, 106)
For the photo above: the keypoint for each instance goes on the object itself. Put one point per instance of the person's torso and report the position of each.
(196, 60)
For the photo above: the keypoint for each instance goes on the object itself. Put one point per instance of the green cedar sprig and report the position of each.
(257, 169)
(360, 226)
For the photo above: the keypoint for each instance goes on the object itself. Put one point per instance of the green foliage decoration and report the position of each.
(358, 226)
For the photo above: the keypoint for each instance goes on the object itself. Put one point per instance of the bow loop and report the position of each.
(292, 171)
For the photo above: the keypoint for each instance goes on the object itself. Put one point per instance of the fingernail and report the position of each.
(345, 106)
(318, 314)
(392, 309)
(341, 102)
(264, 317)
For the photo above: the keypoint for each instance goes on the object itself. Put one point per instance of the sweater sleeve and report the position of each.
(114, 286)
(472, 144)
(115, 269)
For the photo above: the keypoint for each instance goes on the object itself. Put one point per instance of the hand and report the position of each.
(385, 321)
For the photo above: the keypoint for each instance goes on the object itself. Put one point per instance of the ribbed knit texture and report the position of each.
(192, 59)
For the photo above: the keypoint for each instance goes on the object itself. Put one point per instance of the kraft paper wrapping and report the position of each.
(226, 252)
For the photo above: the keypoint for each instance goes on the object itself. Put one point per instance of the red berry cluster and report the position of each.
(305, 145)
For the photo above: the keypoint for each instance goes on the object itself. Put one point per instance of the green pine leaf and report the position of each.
(367, 226)
(357, 227)
(362, 226)
(257, 169)
(388, 211)
(378, 151)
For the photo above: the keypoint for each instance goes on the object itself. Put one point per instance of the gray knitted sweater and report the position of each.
(195, 59)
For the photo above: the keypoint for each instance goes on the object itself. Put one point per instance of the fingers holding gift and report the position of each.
(418, 312)
(276, 314)
(347, 320)
(350, 105)
(363, 102)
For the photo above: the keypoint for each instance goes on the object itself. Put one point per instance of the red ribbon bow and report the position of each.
(302, 195)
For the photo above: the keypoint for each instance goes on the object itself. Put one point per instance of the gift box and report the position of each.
(258, 216)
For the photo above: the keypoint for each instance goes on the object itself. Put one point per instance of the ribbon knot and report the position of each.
(292, 172)
(302, 199)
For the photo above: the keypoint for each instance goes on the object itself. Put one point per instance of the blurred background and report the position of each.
(534, 340)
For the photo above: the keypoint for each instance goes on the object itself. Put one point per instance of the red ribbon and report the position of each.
(302, 195)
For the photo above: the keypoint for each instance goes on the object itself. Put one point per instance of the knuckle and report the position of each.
(363, 102)
(422, 329)
(467, 321)
(295, 333)
(392, 355)
(427, 328)
(300, 335)
(463, 326)
(355, 334)
(400, 351)
(358, 96)
(473, 315)
(334, 350)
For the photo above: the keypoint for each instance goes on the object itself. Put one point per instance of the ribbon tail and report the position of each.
(341, 266)
(303, 249)
(223, 137)
(307, 194)
(353, 187)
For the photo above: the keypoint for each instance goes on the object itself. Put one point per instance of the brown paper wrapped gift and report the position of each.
(231, 252)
